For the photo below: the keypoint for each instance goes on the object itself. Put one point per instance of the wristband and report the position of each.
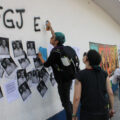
(74, 115)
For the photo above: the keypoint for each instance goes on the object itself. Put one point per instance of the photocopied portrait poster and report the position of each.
(11, 91)
(9, 65)
(42, 88)
(1, 72)
(24, 91)
(4, 47)
(17, 48)
(31, 51)
(37, 62)
(52, 79)
(1, 93)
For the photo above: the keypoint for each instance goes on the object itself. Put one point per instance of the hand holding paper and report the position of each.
(41, 57)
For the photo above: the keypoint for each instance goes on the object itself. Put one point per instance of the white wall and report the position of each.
(81, 21)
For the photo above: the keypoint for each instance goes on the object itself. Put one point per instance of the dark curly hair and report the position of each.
(85, 54)
(94, 58)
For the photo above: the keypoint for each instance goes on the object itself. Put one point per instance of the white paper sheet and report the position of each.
(11, 91)
(50, 47)
(77, 51)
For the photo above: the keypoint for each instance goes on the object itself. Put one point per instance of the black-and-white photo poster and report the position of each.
(52, 79)
(1, 72)
(42, 88)
(25, 91)
(17, 48)
(35, 78)
(29, 77)
(4, 46)
(1, 69)
(21, 76)
(37, 62)
(1, 93)
(44, 74)
(50, 69)
(31, 51)
(9, 65)
(24, 62)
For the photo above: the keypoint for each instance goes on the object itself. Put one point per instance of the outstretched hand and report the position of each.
(41, 58)
(48, 25)
(39, 55)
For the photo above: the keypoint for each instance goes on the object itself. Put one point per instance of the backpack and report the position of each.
(69, 60)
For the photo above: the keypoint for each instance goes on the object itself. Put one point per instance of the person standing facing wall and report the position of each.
(62, 78)
(91, 89)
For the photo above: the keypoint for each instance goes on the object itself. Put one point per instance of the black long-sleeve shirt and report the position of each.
(54, 61)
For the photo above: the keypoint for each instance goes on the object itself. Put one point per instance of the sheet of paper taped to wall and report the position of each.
(11, 91)
(77, 50)
(50, 47)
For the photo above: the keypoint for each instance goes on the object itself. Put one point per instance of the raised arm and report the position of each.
(48, 25)
(48, 28)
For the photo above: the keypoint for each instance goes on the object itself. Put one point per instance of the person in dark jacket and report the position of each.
(64, 81)
(91, 89)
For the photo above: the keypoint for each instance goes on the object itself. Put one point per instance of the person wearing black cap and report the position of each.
(91, 89)
(64, 81)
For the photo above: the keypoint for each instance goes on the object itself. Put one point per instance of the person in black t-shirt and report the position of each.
(91, 89)
(64, 81)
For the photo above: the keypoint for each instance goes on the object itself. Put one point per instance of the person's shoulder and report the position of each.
(79, 75)
(104, 72)
(54, 51)
(84, 71)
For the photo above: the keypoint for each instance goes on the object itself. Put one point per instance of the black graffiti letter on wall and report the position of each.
(20, 11)
(1, 7)
(8, 20)
(36, 24)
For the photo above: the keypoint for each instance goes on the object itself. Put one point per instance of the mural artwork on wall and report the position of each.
(109, 56)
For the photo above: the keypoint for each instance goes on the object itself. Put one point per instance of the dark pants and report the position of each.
(64, 93)
(85, 116)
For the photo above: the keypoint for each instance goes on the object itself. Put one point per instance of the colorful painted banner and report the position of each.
(109, 56)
